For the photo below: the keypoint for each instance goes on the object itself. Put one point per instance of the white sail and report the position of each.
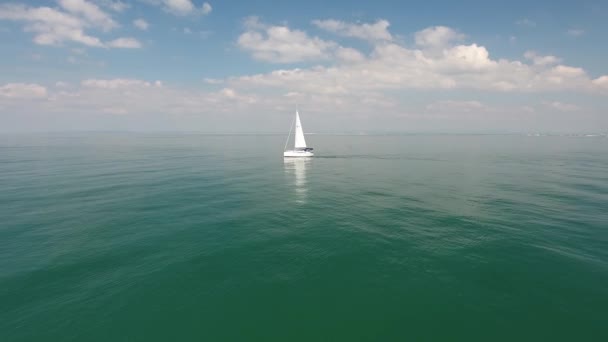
(300, 142)
(300, 148)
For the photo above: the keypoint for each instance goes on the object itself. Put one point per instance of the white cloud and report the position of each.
(235, 106)
(179, 7)
(187, 30)
(185, 7)
(91, 12)
(41, 14)
(124, 96)
(575, 32)
(391, 66)
(541, 60)
(137, 97)
(253, 23)
(437, 37)
(206, 9)
(119, 83)
(601, 82)
(116, 6)
(280, 44)
(350, 85)
(125, 43)
(141, 24)
(23, 91)
(213, 81)
(54, 27)
(349, 55)
(567, 77)
(57, 35)
(562, 107)
(377, 31)
(466, 58)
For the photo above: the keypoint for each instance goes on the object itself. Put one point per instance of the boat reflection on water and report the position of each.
(297, 168)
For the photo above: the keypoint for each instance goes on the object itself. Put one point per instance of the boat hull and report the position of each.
(296, 154)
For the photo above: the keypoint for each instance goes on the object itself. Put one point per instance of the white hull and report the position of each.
(296, 153)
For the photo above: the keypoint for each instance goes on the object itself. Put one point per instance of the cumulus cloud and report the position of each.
(206, 9)
(116, 6)
(185, 7)
(437, 37)
(349, 55)
(119, 83)
(237, 107)
(348, 82)
(179, 7)
(601, 82)
(280, 44)
(53, 26)
(541, 60)
(439, 61)
(91, 12)
(127, 96)
(124, 43)
(562, 107)
(23, 91)
(141, 24)
(377, 31)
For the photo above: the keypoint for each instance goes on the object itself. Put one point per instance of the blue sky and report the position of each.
(237, 66)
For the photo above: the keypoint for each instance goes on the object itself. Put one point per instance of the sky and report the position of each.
(349, 66)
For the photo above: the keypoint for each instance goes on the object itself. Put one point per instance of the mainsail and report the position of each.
(299, 141)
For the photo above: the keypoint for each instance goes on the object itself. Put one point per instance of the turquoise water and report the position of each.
(189, 237)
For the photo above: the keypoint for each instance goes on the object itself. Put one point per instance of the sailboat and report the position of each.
(299, 148)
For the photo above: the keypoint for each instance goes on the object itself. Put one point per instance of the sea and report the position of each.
(128, 236)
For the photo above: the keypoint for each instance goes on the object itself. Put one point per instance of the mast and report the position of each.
(289, 135)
